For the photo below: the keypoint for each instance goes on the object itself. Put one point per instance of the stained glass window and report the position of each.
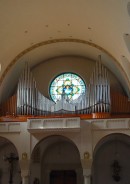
(67, 85)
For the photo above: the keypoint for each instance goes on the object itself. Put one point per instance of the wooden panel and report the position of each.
(119, 104)
(9, 107)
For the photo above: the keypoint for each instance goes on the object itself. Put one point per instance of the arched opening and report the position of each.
(111, 161)
(9, 164)
(56, 160)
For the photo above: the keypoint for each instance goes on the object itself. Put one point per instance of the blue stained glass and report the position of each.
(69, 85)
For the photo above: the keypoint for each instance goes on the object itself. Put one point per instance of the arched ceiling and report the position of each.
(36, 31)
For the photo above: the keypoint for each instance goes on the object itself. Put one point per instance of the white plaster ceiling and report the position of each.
(36, 31)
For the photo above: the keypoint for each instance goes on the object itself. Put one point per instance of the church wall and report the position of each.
(102, 128)
(18, 135)
(47, 70)
(91, 131)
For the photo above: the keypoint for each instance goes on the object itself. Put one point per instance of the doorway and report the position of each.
(56, 160)
(63, 177)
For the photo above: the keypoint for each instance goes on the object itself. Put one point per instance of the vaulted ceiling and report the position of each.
(36, 31)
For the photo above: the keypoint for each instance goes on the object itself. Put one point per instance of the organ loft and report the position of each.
(94, 100)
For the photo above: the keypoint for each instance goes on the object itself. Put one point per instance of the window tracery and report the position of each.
(67, 85)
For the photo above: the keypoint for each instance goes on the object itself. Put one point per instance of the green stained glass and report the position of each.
(67, 85)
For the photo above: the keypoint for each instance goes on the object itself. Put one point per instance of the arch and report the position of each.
(126, 64)
(50, 154)
(121, 74)
(43, 43)
(46, 139)
(111, 162)
(109, 138)
(9, 162)
(6, 140)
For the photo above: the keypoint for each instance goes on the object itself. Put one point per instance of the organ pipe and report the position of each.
(31, 102)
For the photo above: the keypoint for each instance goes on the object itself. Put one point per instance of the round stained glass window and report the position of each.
(67, 85)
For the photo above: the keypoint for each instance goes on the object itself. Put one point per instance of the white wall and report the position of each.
(85, 139)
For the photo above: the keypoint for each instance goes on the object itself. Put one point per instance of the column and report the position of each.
(87, 179)
(24, 164)
(25, 176)
(86, 164)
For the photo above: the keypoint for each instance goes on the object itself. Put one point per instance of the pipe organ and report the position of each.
(29, 101)
(97, 99)
(99, 90)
